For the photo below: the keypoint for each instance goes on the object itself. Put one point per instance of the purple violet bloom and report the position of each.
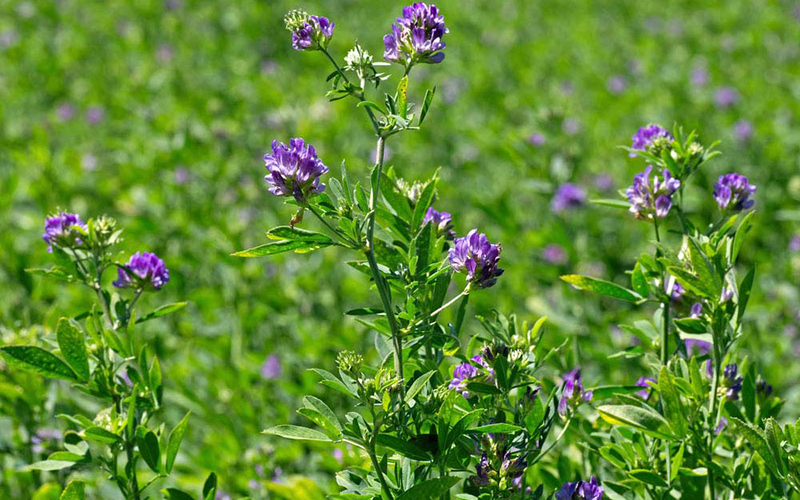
(481, 477)
(726, 97)
(272, 368)
(732, 381)
(573, 394)
(568, 196)
(697, 310)
(294, 170)
(65, 112)
(95, 115)
(554, 254)
(617, 84)
(442, 223)
(537, 139)
(743, 130)
(723, 422)
(581, 490)
(794, 243)
(699, 76)
(464, 372)
(763, 388)
(677, 291)
(571, 126)
(60, 230)
(646, 137)
(644, 382)
(733, 191)
(417, 36)
(603, 182)
(144, 271)
(726, 294)
(651, 196)
(695, 347)
(308, 32)
(477, 257)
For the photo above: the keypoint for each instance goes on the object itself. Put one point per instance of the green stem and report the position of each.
(380, 282)
(375, 462)
(464, 293)
(359, 95)
(712, 411)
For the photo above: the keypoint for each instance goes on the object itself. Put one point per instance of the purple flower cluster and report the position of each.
(695, 347)
(733, 191)
(416, 37)
(647, 137)
(581, 490)
(466, 371)
(644, 382)
(308, 32)
(476, 256)
(573, 394)
(60, 230)
(651, 196)
(677, 291)
(442, 222)
(294, 170)
(144, 271)
(732, 381)
(568, 196)
(501, 464)
(697, 309)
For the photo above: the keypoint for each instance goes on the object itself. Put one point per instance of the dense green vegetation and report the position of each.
(159, 113)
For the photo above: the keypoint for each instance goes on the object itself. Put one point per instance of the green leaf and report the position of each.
(745, 289)
(174, 443)
(100, 435)
(673, 409)
(709, 280)
(296, 432)
(277, 247)
(297, 234)
(73, 347)
(418, 384)
(74, 491)
(176, 494)
(691, 325)
(639, 282)
(738, 238)
(210, 487)
(501, 428)
(323, 421)
(689, 281)
(402, 96)
(148, 448)
(426, 104)
(403, 447)
(621, 204)
(162, 311)
(607, 391)
(757, 440)
(648, 477)
(38, 360)
(51, 465)
(432, 488)
(648, 421)
(481, 388)
(602, 287)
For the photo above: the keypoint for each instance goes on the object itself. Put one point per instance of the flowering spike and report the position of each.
(60, 230)
(733, 191)
(308, 32)
(294, 170)
(477, 257)
(568, 196)
(442, 222)
(652, 138)
(573, 394)
(651, 196)
(581, 490)
(416, 37)
(144, 271)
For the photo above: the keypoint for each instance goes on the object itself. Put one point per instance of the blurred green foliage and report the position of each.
(158, 113)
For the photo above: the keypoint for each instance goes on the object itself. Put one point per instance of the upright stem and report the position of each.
(712, 416)
(664, 341)
(359, 95)
(380, 282)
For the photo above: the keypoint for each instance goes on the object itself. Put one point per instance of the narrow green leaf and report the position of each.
(648, 477)
(501, 428)
(73, 347)
(639, 282)
(432, 488)
(602, 287)
(174, 443)
(691, 325)
(673, 409)
(277, 247)
(51, 465)
(148, 448)
(624, 205)
(176, 494)
(709, 280)
(297, 234)
(418, 384)
(38, 360)
(328, 427)
(296, 432)
(745, 289)
(162, 311)
(689, 281)
(648, 421)
(426, 104)
(403, 447)
(757, 440)
(100, 435)
(74, 491)
(210, 487)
